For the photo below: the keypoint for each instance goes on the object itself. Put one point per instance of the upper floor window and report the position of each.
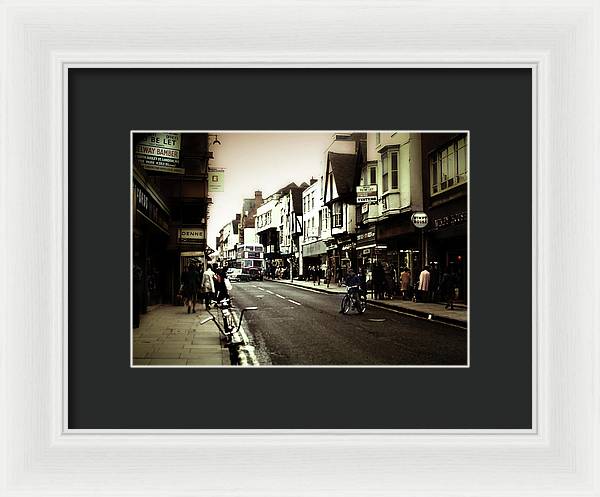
(394, 169)
(372, 175)
(448, 166)
(384, 174)
(377, 138)
(336, 218)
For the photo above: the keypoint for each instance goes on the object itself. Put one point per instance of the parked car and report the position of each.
(234, 274)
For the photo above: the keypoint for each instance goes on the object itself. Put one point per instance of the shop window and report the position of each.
(448, 166)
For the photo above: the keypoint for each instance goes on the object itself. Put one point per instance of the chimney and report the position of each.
(258, 200)
(313, 181)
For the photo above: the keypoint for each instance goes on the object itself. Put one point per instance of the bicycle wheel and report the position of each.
(361, 304)
(346, 304)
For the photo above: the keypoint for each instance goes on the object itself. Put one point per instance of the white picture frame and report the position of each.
(557, 39)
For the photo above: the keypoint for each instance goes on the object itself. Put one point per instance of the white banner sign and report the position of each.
(366, 193)
(159, 152)
(191, 235)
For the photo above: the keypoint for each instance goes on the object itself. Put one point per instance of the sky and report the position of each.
(261, 161)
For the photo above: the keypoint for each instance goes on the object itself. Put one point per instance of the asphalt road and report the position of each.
(294, 326)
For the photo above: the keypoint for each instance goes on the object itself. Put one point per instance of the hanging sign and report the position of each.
(366, 193)
(216, 179)
(159, 152)
(190, 235)
(419, 219)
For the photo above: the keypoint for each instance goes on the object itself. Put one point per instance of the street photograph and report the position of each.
(299, 248)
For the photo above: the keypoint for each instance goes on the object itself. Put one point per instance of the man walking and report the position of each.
(208, 286)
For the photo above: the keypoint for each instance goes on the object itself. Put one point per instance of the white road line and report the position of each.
(280, 296)
(261, 289)
(254, 286)
(268, 291)
(294, 302)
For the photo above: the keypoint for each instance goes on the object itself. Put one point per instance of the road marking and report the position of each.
(254, 286)
(377, 320)
(280, 296)
(261, 289)
(294, 302)
(269, 291)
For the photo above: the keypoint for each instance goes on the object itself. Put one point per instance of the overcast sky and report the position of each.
(261, 161)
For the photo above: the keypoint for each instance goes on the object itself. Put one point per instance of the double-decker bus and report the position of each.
(251, 260)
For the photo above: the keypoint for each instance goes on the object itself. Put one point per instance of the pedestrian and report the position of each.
(328, 275)
(389, 281)
(448, 288)
(424, 279)
(208, 286)
(220, 284)
(362, 274)
(378, 280)
(405, 283)
(187, 287)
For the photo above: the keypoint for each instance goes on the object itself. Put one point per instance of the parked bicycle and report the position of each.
(354, 299)
(228, 328)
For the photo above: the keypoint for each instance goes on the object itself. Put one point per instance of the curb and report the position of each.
(382, 304)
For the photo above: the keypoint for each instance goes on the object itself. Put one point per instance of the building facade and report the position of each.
(170, 210)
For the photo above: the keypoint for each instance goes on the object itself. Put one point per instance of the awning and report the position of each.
(314, 249)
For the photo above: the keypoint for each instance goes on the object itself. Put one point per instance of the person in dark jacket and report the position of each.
(448, 285)
(378, 281)
(190, 281)
(221, 291)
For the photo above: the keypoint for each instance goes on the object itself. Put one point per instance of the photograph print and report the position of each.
(293, 248)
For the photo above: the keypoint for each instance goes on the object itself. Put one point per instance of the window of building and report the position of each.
(312, 200)
(384, 174)
(377, 138)
(372, 175)
(336, 221)
(394, 170)
(448, 166)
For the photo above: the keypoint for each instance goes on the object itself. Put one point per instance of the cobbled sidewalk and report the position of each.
(169, 336)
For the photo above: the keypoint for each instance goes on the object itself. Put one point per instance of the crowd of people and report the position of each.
(199, 285)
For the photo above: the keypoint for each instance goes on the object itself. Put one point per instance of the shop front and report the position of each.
(399, 244)
(314, 254)
(150, 239)
(447, 244)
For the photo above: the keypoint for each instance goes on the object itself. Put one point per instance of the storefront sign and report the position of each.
(149, 208)
(366, 237)
(159, 152)
(216, 179)
(452, 219)
(366, 193)
(419, 219)
(190, 235)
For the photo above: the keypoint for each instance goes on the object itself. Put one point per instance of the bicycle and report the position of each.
(229, 330)
(354, 299)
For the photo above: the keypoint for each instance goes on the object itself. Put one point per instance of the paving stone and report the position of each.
(167, 362)
(141, 362)
(209, 361)
(203, 355)
(164, 355)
